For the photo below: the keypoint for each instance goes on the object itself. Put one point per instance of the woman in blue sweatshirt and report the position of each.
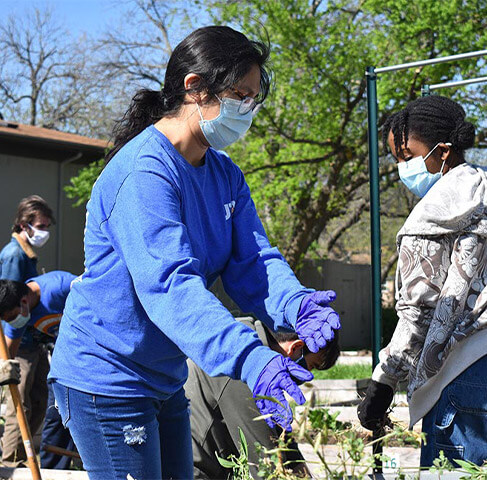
(169, 214)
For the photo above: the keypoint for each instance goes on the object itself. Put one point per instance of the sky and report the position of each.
(95, 16)
(78, 16)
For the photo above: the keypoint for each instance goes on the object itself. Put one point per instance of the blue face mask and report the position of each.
(228, 127)
(416, 176)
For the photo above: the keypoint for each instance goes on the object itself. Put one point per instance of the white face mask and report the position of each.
(39, 238)
(20, 320)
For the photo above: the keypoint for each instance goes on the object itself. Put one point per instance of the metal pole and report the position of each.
(431, 61)
(425, 91)
(377, 449)
(458, 84)
(374, 212)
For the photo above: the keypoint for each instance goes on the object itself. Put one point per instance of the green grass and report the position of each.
(339, 372)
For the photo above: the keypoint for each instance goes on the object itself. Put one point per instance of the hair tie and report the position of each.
(164, 100)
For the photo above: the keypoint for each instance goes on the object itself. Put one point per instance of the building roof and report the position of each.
(32, 141)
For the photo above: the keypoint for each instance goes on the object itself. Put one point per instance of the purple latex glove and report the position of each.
(274, 379)
(317, 321)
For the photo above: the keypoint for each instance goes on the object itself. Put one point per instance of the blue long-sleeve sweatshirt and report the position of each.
(158, 233)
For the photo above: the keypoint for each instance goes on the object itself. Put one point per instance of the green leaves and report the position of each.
(240, 464)
(243, 443)
(306, 152)
(81, 185)
(305, 157)
(441, 464)
(475, 472)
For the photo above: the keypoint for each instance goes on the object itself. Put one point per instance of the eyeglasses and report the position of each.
(247, 104)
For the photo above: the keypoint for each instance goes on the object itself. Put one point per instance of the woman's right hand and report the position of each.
(273, 381)
(317, 321)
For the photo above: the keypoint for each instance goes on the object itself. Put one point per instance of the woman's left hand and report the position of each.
(317, 321)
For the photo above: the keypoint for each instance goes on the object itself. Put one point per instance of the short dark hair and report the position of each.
(219, 55)
(11, 292)
(332, 349)
(28, 209)
(281, 336)
(432, 119)
(332, 352)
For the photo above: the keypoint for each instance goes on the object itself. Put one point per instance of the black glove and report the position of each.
(372, 409)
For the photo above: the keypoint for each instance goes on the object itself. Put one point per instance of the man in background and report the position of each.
(18, 259)
(31, 314)
(220, 405)
(18, 262)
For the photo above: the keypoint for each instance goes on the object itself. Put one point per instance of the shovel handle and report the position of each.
(19, 409)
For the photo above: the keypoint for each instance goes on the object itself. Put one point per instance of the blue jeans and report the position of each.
(457, 424)
(144, 437)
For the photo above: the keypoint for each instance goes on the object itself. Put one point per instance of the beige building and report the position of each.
(41, 161)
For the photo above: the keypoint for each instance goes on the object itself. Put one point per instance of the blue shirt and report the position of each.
(15, 264)
(158, 233)
(46, 315)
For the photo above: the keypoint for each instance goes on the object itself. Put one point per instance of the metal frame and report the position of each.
(426, 89)
(371, 75)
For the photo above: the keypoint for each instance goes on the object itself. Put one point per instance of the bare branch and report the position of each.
(352, 218)
(302, 161)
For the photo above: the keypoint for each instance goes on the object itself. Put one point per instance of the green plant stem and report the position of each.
(320, 456)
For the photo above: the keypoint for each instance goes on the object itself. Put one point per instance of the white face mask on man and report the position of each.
(39, 238)
(20, 320)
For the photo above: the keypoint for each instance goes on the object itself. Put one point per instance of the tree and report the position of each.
(45, 76)
(306, 155)
(141, 58)
(306, 161)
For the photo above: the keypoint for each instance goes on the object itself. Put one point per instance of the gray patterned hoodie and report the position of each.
(441, 290)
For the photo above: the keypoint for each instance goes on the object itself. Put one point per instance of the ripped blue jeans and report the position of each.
(457, 424)
(144, 437)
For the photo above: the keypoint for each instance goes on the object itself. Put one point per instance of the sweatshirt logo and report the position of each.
(229, 209)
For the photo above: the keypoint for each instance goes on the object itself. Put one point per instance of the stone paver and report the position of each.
(25, 474)
(407, 458)
(351, 358)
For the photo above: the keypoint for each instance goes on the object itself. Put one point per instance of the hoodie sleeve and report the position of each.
(421, 273)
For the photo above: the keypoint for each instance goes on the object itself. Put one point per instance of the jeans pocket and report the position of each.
(452, 452)
(469, 399)
(61, 394)
(443, 429)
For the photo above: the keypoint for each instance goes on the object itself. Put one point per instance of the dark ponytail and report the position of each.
(432, 119)
(220, 56)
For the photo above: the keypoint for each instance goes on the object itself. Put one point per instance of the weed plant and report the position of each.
(354, 460)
